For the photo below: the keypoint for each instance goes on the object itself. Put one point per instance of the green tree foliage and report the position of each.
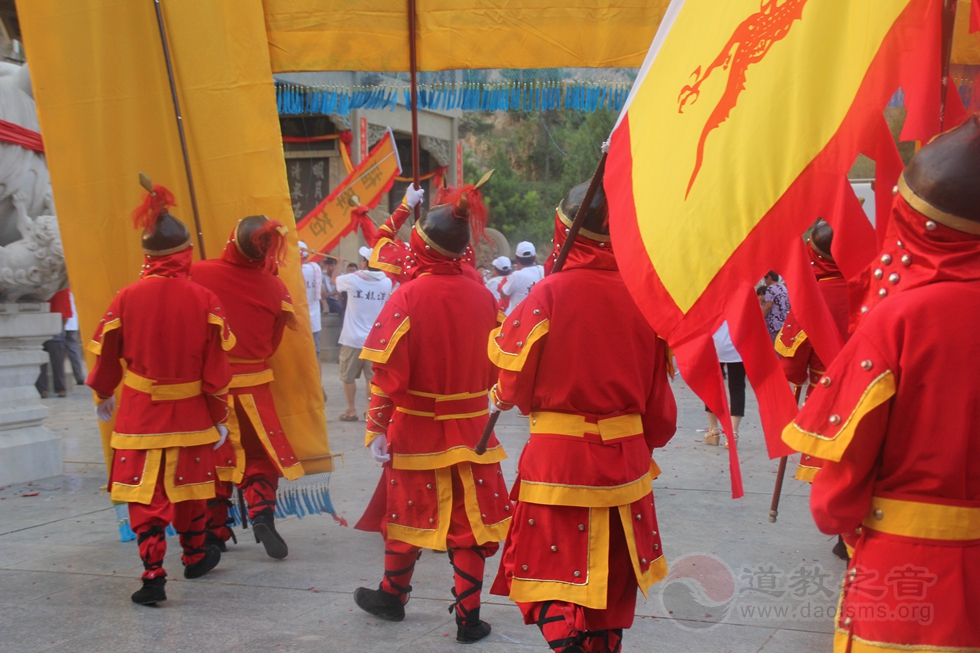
(538, 157)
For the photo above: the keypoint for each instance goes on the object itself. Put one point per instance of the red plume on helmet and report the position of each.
(153, 204)
(467, 203)
(270, 239)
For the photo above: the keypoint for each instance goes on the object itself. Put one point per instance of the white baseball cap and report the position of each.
(302, 245)
(502, 263)
(365, 252)
(304, 251)
(524, 249)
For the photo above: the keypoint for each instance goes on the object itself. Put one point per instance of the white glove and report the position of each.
(413, 195)
(605, 147)
(105, 410)
(379, 449)
(493, 408)
(223, 432)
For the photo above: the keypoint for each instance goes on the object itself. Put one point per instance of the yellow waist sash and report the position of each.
(162, 391)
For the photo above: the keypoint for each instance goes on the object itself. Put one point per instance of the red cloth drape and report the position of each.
(17, 135)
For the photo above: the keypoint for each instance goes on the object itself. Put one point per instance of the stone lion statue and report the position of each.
(32, 261)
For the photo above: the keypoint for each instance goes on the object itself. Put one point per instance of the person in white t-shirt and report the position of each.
(71, 343)
(734, 369)
(367, 291)
(501, 270)
(526, 274)
(313, 276)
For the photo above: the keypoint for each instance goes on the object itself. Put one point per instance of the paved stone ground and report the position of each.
(65, 578)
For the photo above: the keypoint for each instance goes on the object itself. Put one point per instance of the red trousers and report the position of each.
(468, 559)
(259, 484)
(149, 522)
(595, 631)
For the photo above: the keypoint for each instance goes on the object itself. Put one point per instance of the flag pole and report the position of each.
(949, 23)
(781, 474)
(413, 80)
(566, 247)
(180, 127)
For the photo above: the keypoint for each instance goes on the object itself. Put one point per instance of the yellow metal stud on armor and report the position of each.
(886, 259)
(826, 381)
(881, 293)
(530, 522)
(930, 225)
(893, 278)
(835, 420)
(906, 260)
(581, 527)
(879, 273)
(879, 514)
(866, 365)
(554, 549)
(517, 323)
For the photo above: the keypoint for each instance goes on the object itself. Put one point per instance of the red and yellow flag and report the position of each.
(739, 132)
(323, 227)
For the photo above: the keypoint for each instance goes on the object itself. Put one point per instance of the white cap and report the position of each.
(304, 251)
(502, 263)
(302, 245)
(524, 249)
(365, 252)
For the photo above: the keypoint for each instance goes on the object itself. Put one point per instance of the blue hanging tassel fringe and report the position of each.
(516, 95)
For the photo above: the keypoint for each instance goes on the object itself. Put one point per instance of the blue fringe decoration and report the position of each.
(293, 99)
(306, 496)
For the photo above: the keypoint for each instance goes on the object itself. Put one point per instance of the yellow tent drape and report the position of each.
(106, 114)
(372, 35)
(966, 46)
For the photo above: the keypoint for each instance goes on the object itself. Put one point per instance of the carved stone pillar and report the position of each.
(28, 450)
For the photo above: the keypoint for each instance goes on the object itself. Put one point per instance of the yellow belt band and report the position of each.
(612, 428)
(162, 391)
(929, 521)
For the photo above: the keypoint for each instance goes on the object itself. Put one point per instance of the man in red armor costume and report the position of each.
(428, 410)
(893, 418)
(258, 308)
(797, 356)
(173, 336)
(579, 358)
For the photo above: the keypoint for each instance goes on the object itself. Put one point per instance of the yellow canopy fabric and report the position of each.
(372, 35)
(966, 46)
(106, 113)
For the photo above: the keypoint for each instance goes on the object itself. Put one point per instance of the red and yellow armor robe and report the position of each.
(578, 357)
(895, 422)
(172, 335)
(797, 355)
(429, 397)
(257, 452)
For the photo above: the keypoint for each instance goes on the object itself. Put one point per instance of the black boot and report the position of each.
(470, 629)
(210, 539)
(380, 603)
(151, 592)
(264, 526)
(840, 550)
(212, 556)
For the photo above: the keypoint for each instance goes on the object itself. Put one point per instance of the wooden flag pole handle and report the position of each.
(780, 475)
(180, 128)
(413, 80)
(583, 210)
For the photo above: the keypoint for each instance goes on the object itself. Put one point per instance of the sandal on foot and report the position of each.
(713, 437)
(348, 417)
(734, 436)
